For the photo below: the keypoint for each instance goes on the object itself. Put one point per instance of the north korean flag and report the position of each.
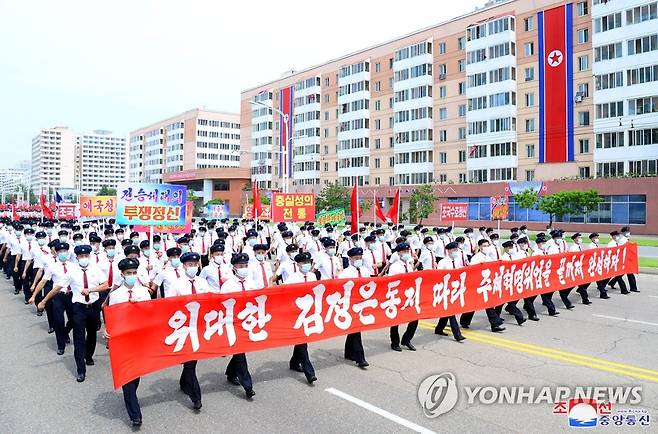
(556, 98)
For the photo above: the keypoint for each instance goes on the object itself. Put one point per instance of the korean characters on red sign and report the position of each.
(454, 211)
(291, 207)
(151, 204)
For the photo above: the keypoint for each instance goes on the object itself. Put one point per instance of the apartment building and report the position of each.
(195, 139)
(53, 159)
(100, 160)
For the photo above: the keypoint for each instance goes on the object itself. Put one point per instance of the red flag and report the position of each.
(379, 212)
(14, 214)
(47, 212)
(394, 212)
(355, 209)
(256, 200)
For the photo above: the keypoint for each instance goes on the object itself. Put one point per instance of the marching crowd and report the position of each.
(72, 270)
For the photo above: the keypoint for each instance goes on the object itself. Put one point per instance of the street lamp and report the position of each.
(288, 141)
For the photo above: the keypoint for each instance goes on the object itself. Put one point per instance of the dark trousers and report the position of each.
(18, 281)
(547, 300)
(300, 357)
(85, 326)
(512, 309)
(189, 383)
(237, 368)
(346, 262)
(130, 399)
(529, 305)
(564, 296)
(618, 280)
(49, 306)
(406, 337)
(61, 304)
(492, 315)
(454, 325)
(632, 283)
(354, 348)
(600, 285)
(204, 261)
(582, 291)
(9, 266)
(27, 282)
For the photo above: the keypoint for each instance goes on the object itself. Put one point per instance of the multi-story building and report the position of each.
(458, 104)
(195, 139)
(13, 178)
(53, 159)
(625, 69)
(100, 160)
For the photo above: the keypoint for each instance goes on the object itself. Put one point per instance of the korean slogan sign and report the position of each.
(189, 212)
(169, 331)
(451, 211)
(499, 207)
(151, 204)
(98, 206)
(293, 207)
(335, 217)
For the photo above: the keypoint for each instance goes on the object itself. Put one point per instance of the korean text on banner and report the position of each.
(67, 211)
(151, 204)
(451, 211)
(165, 332)
(293, 207)
(98, 206)
(335, 217)
(265, 212)
(189, 212)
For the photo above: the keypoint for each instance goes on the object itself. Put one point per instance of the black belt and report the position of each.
(88, 306)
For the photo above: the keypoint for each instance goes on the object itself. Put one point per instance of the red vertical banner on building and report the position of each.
(285, 130)
(556, 99)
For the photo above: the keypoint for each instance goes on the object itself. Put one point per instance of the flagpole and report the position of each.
(397, 223)
(374, 206)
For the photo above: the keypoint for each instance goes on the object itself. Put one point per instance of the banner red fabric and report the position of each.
(379, 212)
(452, 211)
(153, 335)
(45, 210)
(256, 199)
(354, 205)
(394, 212)
(14, 214)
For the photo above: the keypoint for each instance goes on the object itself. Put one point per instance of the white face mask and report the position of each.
(454, 254)
(219, 259)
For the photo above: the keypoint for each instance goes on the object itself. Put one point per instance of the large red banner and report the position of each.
(153, 335)
(451, 211)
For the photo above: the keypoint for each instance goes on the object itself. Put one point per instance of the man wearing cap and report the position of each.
(350, 241)
(149, 265)
(28, 246)
(327, 262)
(217, 271)
(300, 361)
(314, 245)
(44, 256)
(84, 281)
(356, 269)
(171, 272)
(130, 291)
(287, 264)
(577, 247)
(511, 252)
(15, 257)
(261, 270)
(371, 258)
(403, 266)
(546, 298)
(450, 262)
(616, 241)
(237, 370)
(427, 259)
(624, 237)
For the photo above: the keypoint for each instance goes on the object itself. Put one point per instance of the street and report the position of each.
(611, 342)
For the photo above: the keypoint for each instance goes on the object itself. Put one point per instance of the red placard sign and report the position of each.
(66, 211)
(293, 207)
(265, 212)
(451, 211)
(157, 334)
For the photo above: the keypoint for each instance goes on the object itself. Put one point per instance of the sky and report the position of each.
(124, 64)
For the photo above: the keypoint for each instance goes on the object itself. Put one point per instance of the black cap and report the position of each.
(355, 251)
(303, 257)
(251, 233)
(127, 242)
(144, 244)
(28, 231)
(190, 257)
(614, 233)
(522, 240)
(260, 247)
(370, 239)
(240, 258)
(625, 229)
(576, 235)
(128, 264)
(131, 249)
(53, 244)
(291, 247)
(523, 227)
(482, 241)
(460, 239)
(173, 251)
(402, 246)
(62, 246)
(183, 240)
(593, 235)
(452, 245)
(508, 244)
(468, 230)
(94, 239)
(428, 240)
(286, 234)
(62, 233)
(217, 248)
(328, 242)
(109, 243)
(77, 237)
(40, 234)
(555, 233)
(157, 238)
(83, 249)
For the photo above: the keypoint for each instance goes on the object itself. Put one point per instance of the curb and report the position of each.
(648, 270)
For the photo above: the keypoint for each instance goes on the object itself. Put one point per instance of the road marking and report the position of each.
(626, 319)
(653, 296)
(574, 358)
(383, 413)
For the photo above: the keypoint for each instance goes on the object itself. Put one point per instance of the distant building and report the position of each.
(53, 159)
(101, 159)
(13, 177)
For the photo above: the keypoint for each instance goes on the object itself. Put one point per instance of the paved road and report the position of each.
(39, 393)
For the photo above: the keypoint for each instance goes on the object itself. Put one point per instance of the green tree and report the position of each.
(106, 191)
(215, 202)
(568, 202)
(421, 203)
(527, 199)
(333, 196)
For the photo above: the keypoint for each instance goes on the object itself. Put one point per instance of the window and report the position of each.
(607, 52)
(529, 23)
(442, 48)
(378, 123)
(443, 113)
(640, 14)
(462, 156)
(462, 133)
(461, 88)
(581, 8)
(610, 140)
(608, 22)
(377, 163)
(443, 157)
(378, 86)
(460, 65)
(583, 172)
(461, 43)
(529, 49)
(643, 106)
(583, 89)
(609, 110)
(642, 45)
(642, 167)
(530, 151)
(648, 136)
(610, 169)
(462, 178)
(583, 63)
(529, 74)
(378, 67)
(443, 135)
(530, 125)
(583, 36)
(443, 92)
(529, 99)
(583, 118)
(378, 143)
(645, 74)
(502, 149)
(529, 175)
(391, 161)
(583, 146)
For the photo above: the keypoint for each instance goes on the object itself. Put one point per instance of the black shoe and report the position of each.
(625, 292)
(409, 345)
(587, 301)
(440, 332)
(460, 338)
(396, 347)
(67, 340)
(521, 321)
(465, 326)
(605, 296)
(497, 329)
(196, 405)
(296, 368)
(80, 378)
(350, 358)
(363, 364)
(312, 379)
(533, 318)
(60, 351)
(39, 312)
(250, 393)
(571, 306)
(16, 292)
(51, 331)
(136, 422)
(89, 362)
(635, 290)
(26, 303)
(554, 313)
(233, 380)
